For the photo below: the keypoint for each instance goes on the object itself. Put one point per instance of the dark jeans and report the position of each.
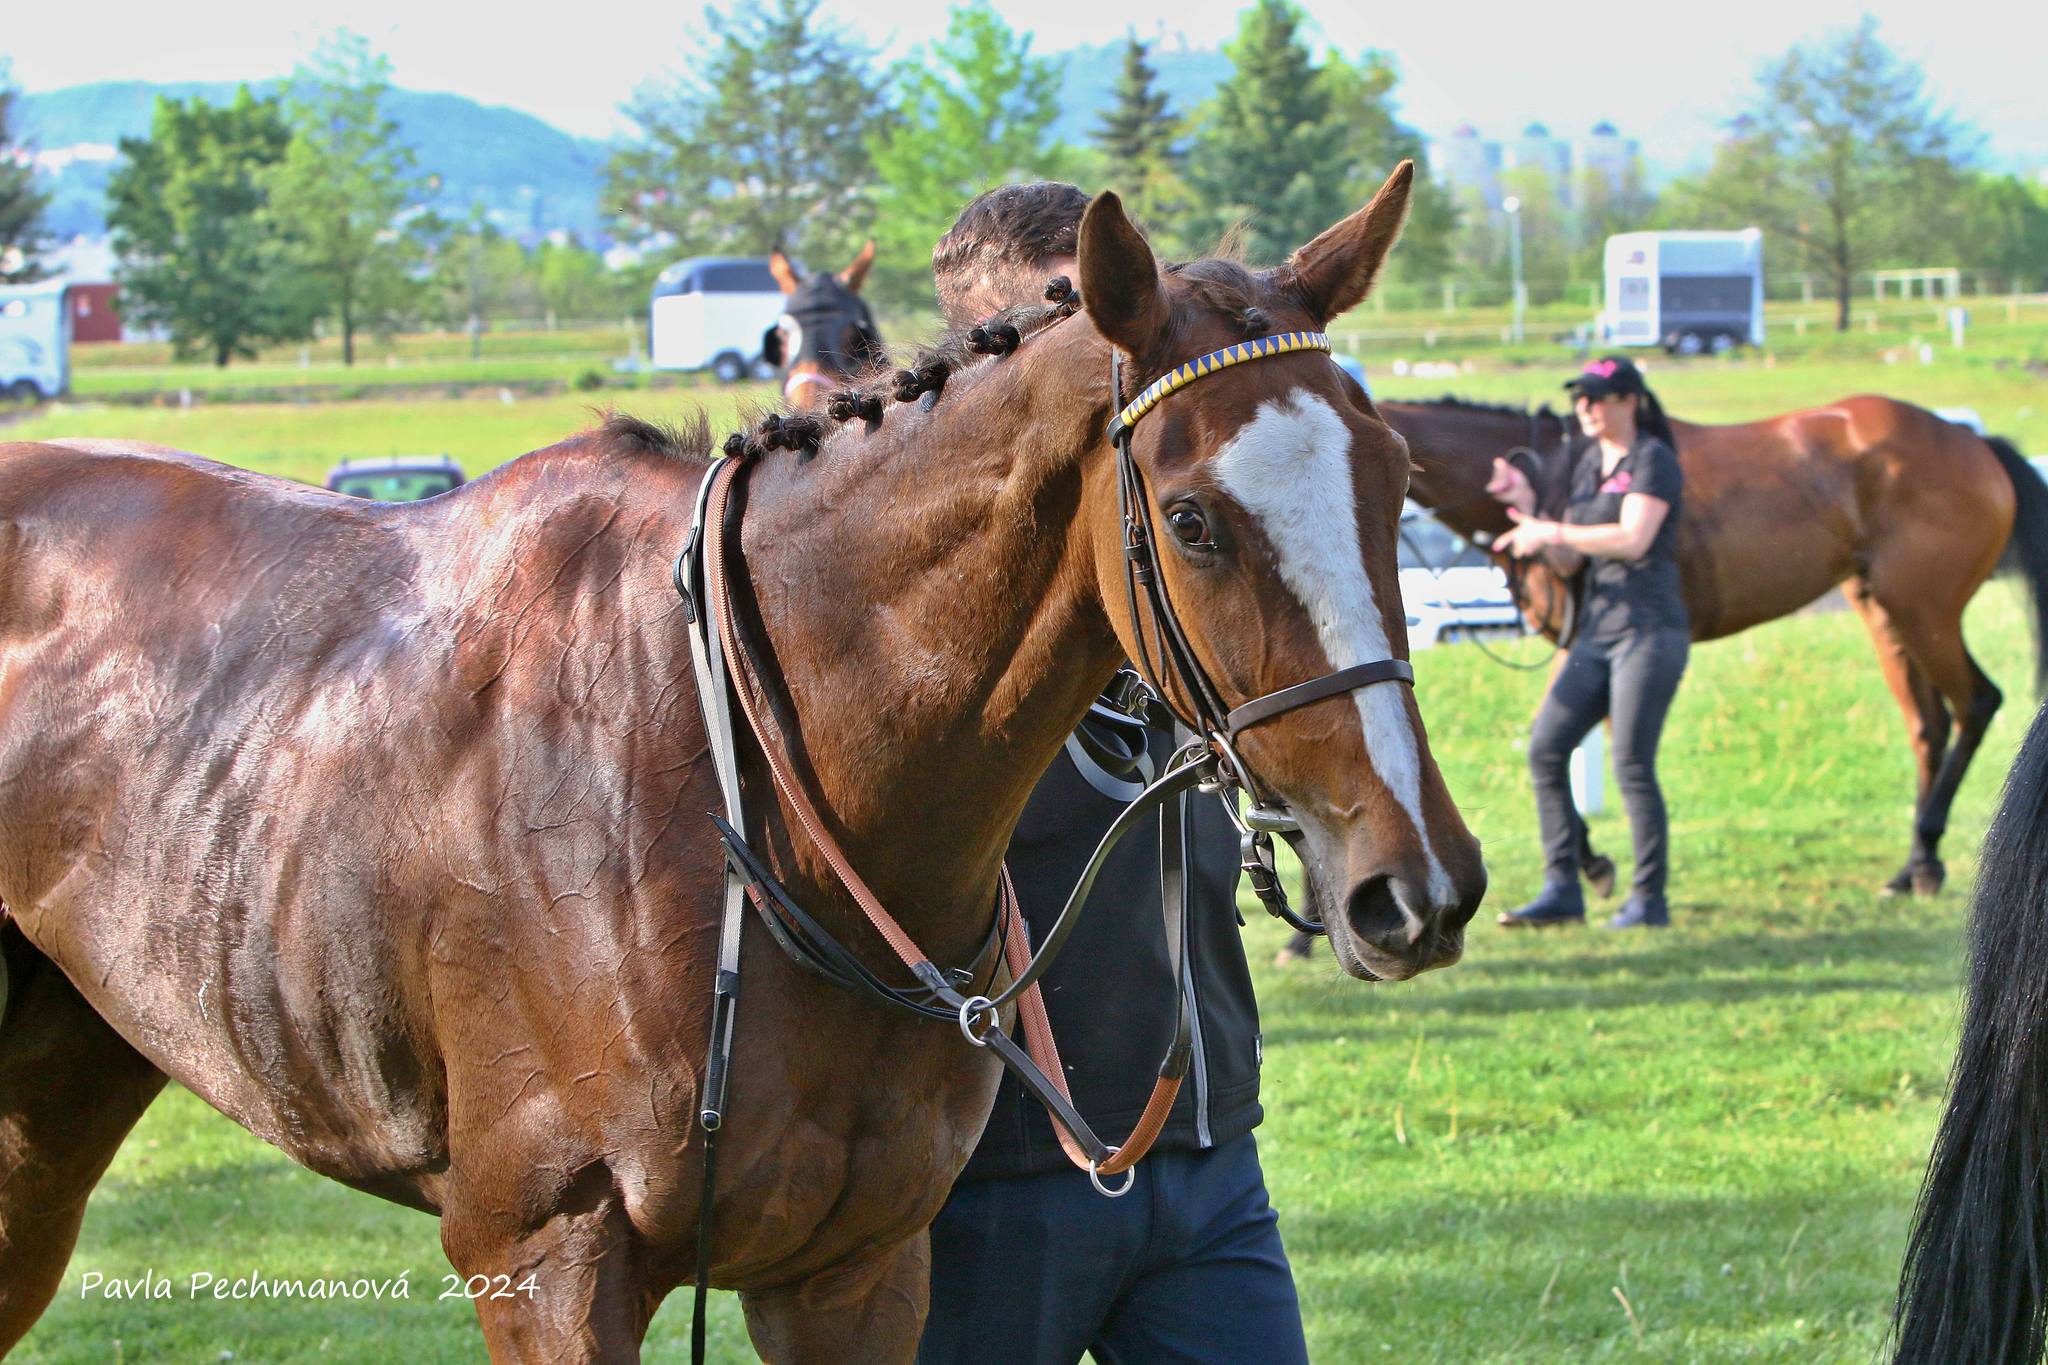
(1187, 1267)
(1632, 680)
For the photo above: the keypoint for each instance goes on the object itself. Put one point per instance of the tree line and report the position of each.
(259, 221)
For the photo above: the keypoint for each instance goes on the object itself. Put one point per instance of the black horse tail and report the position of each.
(1972, 1285)
(2027, 551)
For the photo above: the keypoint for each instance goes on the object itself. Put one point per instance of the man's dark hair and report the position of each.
(1002, 234)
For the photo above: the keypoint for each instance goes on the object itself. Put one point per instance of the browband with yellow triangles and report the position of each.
(1183, 375)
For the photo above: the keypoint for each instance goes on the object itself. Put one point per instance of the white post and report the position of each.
(1513, 206)
(1589, 772)
(1958, 319)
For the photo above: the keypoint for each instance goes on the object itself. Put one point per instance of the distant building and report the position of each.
(1466, 162)
(1470, 164)
(1551, 155)
(1605, 152)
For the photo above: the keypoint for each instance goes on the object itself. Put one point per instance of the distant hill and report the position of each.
(531, 177)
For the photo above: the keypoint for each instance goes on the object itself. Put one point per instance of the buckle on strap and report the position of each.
(1329, 685)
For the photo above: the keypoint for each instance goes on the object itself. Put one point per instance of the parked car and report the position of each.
(396, 478)
(1449, 586)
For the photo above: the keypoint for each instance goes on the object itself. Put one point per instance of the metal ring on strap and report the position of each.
(1183, 375)
(1329, 685)
(1095, 1179)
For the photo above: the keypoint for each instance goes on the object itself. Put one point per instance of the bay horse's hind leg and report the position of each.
(871, 1312)
(1932, 632)
(70, 1089)
(1928, 729)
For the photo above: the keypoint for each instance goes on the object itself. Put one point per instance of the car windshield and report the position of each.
(405, 486)
(1427, 543)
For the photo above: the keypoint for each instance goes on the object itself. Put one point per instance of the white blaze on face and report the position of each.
(1290, 468)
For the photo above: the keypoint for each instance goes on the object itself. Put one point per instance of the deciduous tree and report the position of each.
(765, 146)
(342, 189)
(976, 111)
(1844, 161)
(189, 210)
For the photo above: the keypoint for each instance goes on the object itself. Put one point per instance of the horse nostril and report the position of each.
(1376, 914)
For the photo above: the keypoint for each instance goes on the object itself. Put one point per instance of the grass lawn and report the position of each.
(302, 441)
(1696, 1145)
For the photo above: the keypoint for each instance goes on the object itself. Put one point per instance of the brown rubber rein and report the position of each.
(978, 1015)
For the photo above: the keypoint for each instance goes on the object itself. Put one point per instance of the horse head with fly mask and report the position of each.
(826, 335)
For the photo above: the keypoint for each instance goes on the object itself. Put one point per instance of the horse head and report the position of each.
(1273, 493)
(826, 333)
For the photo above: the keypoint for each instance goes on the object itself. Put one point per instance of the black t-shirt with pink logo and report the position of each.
(1626, 596)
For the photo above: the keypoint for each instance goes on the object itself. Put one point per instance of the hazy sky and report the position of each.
(1665, 73)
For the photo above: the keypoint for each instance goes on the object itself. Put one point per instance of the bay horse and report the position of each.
(1971, 1288)
(1907, 512)
(826, 335)
(381, 827)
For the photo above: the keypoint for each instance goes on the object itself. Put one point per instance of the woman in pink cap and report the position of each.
(1620, 526)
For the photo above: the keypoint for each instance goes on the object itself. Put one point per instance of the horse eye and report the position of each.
(1188, 525)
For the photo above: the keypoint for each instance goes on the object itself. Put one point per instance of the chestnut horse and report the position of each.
(826, 335)
(1908, 513)
(382, 827)
(1972, 1288)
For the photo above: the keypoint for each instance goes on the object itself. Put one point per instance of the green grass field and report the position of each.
(1698, 1145)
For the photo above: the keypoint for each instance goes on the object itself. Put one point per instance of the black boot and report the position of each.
(1557, 903)
(1642, 912)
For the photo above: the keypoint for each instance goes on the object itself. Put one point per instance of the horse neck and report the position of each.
(1453, 450)
(929, 623)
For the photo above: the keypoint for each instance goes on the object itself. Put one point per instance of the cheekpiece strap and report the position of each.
(1202, 365)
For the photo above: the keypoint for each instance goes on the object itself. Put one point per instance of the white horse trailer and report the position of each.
(35, 341)
(710, 312)
(1688, 292)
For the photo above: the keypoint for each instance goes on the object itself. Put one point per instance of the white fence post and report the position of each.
(1589, 772)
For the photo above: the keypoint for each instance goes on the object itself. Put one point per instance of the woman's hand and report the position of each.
(1510, 487)
(1529, 535)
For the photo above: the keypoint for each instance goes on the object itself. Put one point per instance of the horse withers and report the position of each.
(381, 827)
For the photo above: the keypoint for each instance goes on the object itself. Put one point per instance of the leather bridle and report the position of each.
(1216, 724)
(1209, 762)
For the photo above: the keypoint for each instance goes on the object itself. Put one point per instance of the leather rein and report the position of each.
(1209, 763)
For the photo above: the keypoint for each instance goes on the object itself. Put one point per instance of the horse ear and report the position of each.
(1120, 278)
(856, 275)
(1335, 271)
(782, 270)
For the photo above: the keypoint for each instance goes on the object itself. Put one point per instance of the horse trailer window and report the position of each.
(740, 277)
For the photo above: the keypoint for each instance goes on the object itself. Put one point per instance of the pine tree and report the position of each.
(22, 241)
(1267, 144)
(1139, 141)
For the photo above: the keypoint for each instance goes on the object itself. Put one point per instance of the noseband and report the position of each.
(1215, 723)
